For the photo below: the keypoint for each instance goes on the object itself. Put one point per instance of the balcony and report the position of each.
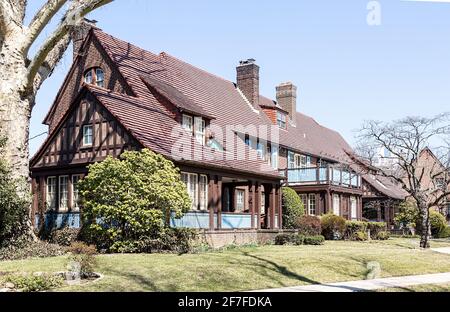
(322, 176)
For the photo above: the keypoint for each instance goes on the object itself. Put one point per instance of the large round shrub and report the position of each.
(292, 208)
(333, 227)
(308, 225)
(132, 197)
(438, 223)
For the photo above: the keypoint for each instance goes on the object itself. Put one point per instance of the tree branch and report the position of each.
(72, 17)
(40, 20)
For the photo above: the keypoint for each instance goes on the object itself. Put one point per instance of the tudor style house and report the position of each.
(118, 97)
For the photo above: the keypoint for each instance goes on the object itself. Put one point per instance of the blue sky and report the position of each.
(346, 70)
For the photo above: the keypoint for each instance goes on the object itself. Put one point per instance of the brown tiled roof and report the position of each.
(158, 131)
(386, 186)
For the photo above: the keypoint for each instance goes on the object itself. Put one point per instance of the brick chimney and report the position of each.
(287, 98)
(248, 80)
(79, 34)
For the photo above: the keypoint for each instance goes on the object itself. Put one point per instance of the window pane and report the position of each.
(87, 135)
(200, 130)
(51, 193)
(203, 192)
(88, 77)
(100, 77)
(187, 122)
(312, 204)
(240, 200)
(63, 193)
(75, 192)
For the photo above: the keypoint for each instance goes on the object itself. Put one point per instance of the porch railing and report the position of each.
(322, 175)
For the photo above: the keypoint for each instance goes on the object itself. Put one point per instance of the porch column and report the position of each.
(272, 207)
(258, 204)
(328, 202)
(219, 202)
(378, 206)
(252, 198)
(280, 207)
(212, 200)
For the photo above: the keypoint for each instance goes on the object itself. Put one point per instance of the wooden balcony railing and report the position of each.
(322, 175)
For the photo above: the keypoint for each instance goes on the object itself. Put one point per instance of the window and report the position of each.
(75, 192)
(304, 199)
(63, 193)
(353, 208)
(95, 76)
(187, 123)
(200, 128)
(281, 120)
(291, 160)
(191, 181)
(274, 157)
(51, 193)
(100, 77)
(263, 203)
(261, 149)
(312, 205)
(336, 205)
(203, 192)
(87, 135)
(240, 201)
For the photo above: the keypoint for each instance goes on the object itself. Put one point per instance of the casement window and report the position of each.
(187, 123)
(353, 208)
(336, 204)
(261, 149)
(274, 157)
(312, 205)
(281, 120)
(88, 137)
(51, 193)
(291, 160)
(240, 201)
(75, 192)
(95, 76)
(203, 187)
(63, 193)
(300, 161)
(200, 130)
(197, 187)
(304, 199)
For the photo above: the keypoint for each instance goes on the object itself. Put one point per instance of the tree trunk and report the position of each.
(425, 224)
(15, 114)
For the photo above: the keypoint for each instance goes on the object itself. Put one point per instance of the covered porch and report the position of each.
(234, 202)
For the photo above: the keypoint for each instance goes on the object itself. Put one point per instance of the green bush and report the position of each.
(375, 228)
(133, 197)
(352, 227)
(292, 207)
(445, 233)
(308, 225)
(31, 250)
(63, 237)
(13, 208)
(333, 227)
(314, 240)
(438, 223)
(382, 235)
(283, 239)
(359, 236)
(35, 283)
(84, 255)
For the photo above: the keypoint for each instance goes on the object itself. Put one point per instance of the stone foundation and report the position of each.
(217, 239)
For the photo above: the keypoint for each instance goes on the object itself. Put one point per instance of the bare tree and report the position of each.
(22, 74)
(426, 181)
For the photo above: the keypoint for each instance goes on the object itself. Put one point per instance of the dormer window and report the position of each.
(195, 125)
(281, 120)
(95, 76)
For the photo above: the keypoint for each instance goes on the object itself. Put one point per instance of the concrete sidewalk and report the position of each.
(445, 250)
(355, 286)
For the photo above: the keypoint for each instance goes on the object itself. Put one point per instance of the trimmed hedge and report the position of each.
(445, 233)
(353, 227)
(438, 223)
(299, 239)
(309, 225)
(375, 228)
(333, 227)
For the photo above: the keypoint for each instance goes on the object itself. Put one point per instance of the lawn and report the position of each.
(251, 267)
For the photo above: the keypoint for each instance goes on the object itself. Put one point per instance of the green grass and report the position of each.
(251, 267)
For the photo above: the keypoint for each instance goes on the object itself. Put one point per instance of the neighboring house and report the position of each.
(118, 97)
